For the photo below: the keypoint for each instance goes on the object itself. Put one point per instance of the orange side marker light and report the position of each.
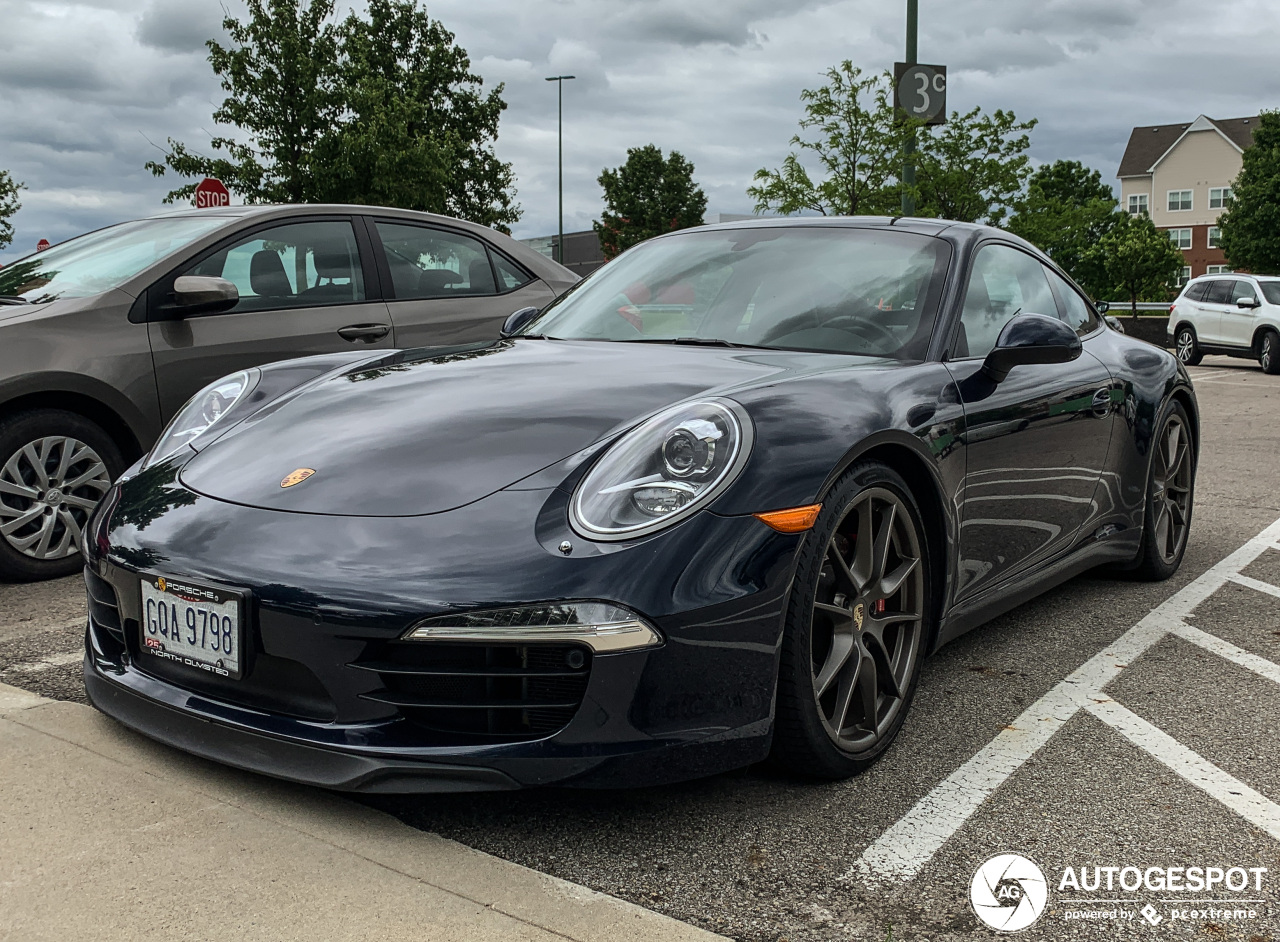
(794, 520)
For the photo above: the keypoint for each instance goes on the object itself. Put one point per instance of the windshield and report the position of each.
(99, 261)
(1271, 291)
(872, 292)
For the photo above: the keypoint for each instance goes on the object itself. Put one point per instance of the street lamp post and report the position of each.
(909, 155)
(560, 80)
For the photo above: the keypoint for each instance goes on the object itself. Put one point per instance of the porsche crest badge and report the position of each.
(857, 615)
(297, 477)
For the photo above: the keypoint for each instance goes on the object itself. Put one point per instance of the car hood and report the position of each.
(427, 432)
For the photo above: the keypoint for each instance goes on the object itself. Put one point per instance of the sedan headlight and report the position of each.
(206, 409)
(663, 470)
(601, 626)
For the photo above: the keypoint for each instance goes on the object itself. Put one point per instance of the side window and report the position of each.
(1242, 289)
(1004, 282)
(1219, 292)
(510, 275)
(435, 263)
(303, 264)
(1197, 291)
(1078, 314)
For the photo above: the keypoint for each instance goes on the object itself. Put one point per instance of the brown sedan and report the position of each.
(104, 337)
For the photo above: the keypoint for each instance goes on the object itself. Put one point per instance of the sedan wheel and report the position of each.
(49, 484)
(856, 630)
(1188, 349)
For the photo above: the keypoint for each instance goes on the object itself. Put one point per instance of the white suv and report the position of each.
(1235, 314)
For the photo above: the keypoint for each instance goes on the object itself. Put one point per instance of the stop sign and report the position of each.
(211, 192)
(42, 245)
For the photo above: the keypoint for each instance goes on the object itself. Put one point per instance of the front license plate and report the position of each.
(195, 625)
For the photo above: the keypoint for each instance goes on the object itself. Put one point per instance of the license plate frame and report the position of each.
(177, 595)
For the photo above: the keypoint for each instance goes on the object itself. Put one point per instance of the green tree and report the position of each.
(974, 167)
(9, 205)
(858, 145)
(647, 196)
(381, 108)
(1066, 211)
(281, 75)
(1251, 225)
(421, 130)
(1139, 260)
(970, 169)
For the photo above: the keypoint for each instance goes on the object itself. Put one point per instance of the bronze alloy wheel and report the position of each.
(1171, 476)
(867, 623)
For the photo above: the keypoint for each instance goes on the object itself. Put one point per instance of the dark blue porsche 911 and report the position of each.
(712, 506)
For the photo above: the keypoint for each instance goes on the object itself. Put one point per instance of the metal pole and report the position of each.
(909, 151)
(560, 80)
(560, 165)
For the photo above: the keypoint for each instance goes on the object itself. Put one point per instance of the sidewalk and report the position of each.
(106, 835)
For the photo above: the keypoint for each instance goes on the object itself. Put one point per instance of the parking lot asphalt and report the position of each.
(1108, 723)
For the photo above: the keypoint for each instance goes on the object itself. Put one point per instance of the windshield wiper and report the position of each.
(10, 299)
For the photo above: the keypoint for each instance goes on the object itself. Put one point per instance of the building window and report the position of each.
(1218, 196)
(1184, 276)
(1217, 269)
(1215, 236)
(1180, 237)
(1138, 203)
(1179, 200)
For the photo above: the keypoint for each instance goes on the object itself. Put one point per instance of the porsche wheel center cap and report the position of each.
(858, 612)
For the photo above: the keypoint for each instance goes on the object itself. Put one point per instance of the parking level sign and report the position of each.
(921, 91)
(211, 192)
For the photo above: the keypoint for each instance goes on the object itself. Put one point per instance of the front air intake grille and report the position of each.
(104, 607)
(484, 692)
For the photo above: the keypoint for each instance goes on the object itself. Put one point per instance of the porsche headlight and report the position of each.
(663, 470)
(206, 409)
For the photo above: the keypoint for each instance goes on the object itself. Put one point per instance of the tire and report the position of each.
(1269, 353)
(54, 467)
(814, 736)
(1187, 347)
(1168, 504)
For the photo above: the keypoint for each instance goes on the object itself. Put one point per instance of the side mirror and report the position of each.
(1102, 306)
(202, 294)
(1114, 324)
(1248, 303)
(1028, 339)
(517, 320)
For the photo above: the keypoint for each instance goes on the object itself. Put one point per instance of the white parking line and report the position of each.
(47, 663)
(1229, 652)
(1204, 775)
(1256, 584)
(907, 846)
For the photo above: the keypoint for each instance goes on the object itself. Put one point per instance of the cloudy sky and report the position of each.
(87, 89)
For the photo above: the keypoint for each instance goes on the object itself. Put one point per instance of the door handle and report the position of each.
(1102, 402)
(364, 333)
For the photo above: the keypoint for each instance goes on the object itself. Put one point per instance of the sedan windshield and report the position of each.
(99, 261)
(871, 292)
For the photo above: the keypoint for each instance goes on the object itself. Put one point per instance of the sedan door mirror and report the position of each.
(1102, 306)
(202, 294)
(517, 320)
(1247, 302)
(1028, 339)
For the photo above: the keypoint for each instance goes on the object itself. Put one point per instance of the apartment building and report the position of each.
(1181, 175)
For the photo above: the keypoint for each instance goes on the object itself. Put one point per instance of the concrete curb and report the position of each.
(107, 835)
